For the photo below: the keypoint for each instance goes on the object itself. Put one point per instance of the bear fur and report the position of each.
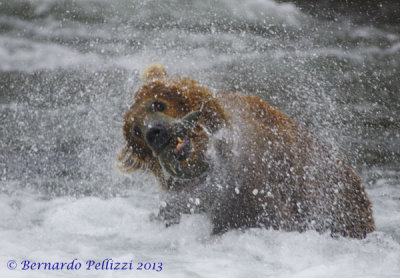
(242, 162)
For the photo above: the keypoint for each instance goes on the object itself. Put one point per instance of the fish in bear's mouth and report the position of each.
(174, 154)
(183, 148)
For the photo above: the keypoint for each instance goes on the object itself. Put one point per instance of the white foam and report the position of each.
(266, 10)
(27, 55)
(120, 228)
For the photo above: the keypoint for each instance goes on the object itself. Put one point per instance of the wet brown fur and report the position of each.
(287, 178)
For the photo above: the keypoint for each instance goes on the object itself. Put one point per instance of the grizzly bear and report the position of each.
(239, 160)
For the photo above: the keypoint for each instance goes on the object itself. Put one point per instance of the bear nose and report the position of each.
(157, 137)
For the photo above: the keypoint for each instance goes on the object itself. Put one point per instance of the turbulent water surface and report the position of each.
(68, 70)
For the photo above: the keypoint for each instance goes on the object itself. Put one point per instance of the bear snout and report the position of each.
(157, 137)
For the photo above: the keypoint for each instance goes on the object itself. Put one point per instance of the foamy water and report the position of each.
(67, 73)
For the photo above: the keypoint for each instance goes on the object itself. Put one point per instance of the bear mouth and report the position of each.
(175, 155)
(183, 148)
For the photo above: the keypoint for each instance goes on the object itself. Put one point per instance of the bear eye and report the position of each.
(137, 132)
(158, 106)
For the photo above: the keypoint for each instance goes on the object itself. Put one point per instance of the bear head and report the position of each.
(168, 126)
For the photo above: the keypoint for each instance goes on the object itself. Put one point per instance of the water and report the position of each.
(68, 70)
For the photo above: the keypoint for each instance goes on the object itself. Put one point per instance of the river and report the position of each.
(68, 70)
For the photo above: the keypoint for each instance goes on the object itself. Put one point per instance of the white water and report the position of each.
(68, 71)
(65, 228)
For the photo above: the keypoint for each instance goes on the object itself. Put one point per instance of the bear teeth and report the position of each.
(179, 145)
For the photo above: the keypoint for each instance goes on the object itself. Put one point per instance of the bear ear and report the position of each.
(153, 72)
